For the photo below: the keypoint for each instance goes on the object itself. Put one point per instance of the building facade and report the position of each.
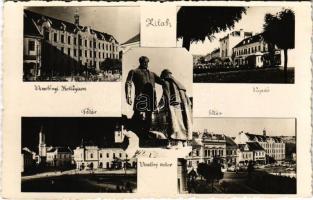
(59, 157)
(94, 157)
(205, 147)
(69, 48)
(254, 51)
(31, 50)
(229, 41)
(274, 147)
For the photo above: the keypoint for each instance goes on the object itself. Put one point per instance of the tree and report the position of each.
(210, 172)
(111, 64)
(198, 23)
(279, 30)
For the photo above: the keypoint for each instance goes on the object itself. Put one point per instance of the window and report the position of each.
(94, 53)
(75, 53)
(55, 38)
(108, 155)
(69, 39)
(80, 52)
(31, 45)
(80, 41)
(90, 53)
(75, 40)
(120, 155)
(197, 152)
(99, 55)
(113, 155)
(90, 44)
(85, 43)
(62, 38)
(100, 155)
(102, 45)
(206, 153)
(62, 49)
(91, 155)
(99, 45)
(85, 53)
(106, 46)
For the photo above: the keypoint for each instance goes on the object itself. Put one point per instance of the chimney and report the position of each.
(76, 18)
(241, 33)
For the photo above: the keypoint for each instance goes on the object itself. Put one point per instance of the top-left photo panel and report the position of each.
(78, 44)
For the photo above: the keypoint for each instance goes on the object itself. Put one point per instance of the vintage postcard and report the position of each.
(156, 100)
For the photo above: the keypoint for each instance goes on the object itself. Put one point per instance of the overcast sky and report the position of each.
(232, 126)
(121, 22)
(252, 21)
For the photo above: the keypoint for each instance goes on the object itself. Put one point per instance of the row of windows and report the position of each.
(273, 145)
(60, 156)
(259, 153)
(81, 41)
(275, 151)
(91, 155)
(231, 152)
(249, 50)
(247, 155)
(213, 152)
(88, 53)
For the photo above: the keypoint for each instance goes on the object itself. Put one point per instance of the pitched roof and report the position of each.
(70, 27)
(254, 137)
(250, 40)
(254, 146)
(134, 39)
(243, 146)
(230, 142)
(215, 50)
(30, 28)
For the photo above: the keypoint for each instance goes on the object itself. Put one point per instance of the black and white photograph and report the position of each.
(240, 156)
(157, 96)
(76, 44)
(76, 154)
(239, 44)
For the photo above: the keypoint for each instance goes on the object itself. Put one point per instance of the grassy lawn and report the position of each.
(263, 75)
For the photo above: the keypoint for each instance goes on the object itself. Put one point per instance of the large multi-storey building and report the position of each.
(274, 147)
(229, 41)
(254, 51)
(205, 147)
(68, 48)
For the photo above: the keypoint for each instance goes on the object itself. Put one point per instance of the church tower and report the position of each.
(118, 134)
(42, 149)
(264, 132)
(76, 18)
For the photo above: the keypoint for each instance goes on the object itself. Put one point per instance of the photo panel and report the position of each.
(240, 156)
(76, 154)
(157, 96)
(239, 44)
(69, 44)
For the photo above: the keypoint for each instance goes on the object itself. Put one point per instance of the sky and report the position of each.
(252, 21)
(68, 131)
(232, 126)
(121, 22)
